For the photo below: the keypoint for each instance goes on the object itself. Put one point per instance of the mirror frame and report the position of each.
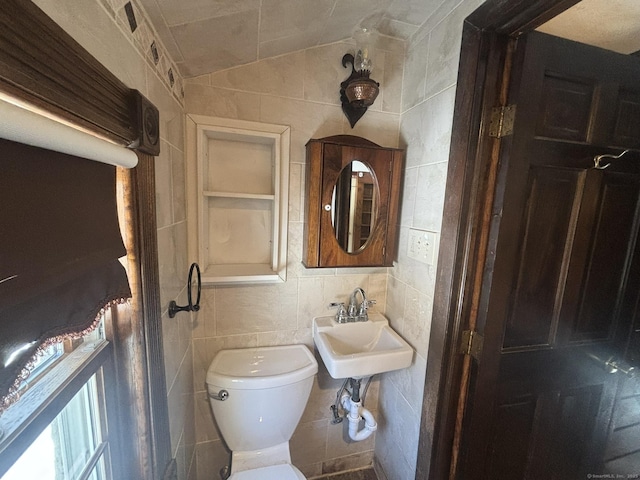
(326, 157)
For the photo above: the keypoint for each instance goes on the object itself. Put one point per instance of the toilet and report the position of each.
(257, 396)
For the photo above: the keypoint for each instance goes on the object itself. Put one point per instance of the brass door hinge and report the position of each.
(502, 119)
(471, 344)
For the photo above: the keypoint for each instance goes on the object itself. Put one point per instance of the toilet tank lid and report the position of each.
(261, 367)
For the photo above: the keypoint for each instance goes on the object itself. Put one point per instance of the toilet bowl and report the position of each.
(258, 396)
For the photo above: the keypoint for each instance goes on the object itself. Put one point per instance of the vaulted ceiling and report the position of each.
(204, 36)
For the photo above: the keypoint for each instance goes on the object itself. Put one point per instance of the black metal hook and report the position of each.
(191, 307)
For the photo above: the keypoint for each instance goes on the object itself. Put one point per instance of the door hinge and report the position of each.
(471, 343)
(501, 123)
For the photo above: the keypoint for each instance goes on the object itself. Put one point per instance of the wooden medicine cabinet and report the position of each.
(352, 203)
(237, 182)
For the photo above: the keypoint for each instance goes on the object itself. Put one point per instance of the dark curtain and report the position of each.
(59, 249)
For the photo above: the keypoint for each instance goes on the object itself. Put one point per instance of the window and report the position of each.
(72, 446)
(57, 430)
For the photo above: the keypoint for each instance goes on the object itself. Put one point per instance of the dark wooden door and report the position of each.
(559, 312)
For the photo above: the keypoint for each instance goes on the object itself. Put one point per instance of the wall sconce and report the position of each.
(358, 92)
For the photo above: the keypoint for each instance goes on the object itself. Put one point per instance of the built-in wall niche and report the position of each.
(237, 181)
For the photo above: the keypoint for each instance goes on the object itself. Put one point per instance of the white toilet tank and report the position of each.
(267, 387)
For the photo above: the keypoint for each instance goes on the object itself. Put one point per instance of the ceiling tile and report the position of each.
(413, 12)
(179, 12)
(286, 18)
(217, 43)
(157, 20)
(293, 43)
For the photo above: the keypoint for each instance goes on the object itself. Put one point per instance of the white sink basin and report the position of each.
(360, 349)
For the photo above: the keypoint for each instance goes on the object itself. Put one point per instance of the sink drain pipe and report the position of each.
(356, 412)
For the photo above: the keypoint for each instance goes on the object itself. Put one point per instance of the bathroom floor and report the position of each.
(364, 474)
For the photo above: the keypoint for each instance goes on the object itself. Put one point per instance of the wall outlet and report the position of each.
(422, 245)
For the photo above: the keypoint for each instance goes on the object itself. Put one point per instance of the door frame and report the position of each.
(483, 79)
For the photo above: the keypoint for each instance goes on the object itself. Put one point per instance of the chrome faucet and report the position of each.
(354, 312)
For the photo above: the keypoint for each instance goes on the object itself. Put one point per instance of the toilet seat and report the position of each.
(272, 472)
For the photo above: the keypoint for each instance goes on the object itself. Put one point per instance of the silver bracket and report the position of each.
(502, 119)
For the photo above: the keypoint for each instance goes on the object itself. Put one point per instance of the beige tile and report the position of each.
(311, 471)
(285, 18)
(296, 200)
(444, 52)
(380, 128)
(427, 130)
(417, 323)
(291, 43)
(252, 309)
(311, 302)
(179, 205)
(391, 82)
(204, 319)
(90, 25)
(211, 457)
(164, 195)
(217, 102)
(171, 111)
(412, 11)
(206, 428)
(396, 29)
(307, 120)
(415, 68)
(430, 197)
(349, 462)
(234, 35)
(301, 336)
(184, 12)
(395, 306)
(324, 72)
(199, 80)
(309, 443)
(171, 264)
(282, 76)
(323, 395)
(407, 204)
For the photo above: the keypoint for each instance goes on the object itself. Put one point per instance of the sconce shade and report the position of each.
(362, 92)
(358, 92)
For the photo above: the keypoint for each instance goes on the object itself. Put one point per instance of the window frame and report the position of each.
(47, 397)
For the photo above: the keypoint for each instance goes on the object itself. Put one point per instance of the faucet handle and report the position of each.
(341, 314)
(366, 304)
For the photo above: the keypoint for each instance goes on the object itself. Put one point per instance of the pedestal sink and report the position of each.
(360, 349)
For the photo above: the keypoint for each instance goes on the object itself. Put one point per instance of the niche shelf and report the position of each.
(237, 204)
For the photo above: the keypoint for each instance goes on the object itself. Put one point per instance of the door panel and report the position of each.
(552, 203)
(562, 289)
(568, 104)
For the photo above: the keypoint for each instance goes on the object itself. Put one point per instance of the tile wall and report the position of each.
(414, 111)
(300, 90)
(428, 95)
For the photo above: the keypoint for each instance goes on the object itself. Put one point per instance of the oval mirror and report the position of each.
(354, 206)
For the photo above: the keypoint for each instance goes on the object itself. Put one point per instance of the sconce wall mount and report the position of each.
(358, 92)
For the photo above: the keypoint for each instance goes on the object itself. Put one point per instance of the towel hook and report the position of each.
(598, 158)
(191, 307)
